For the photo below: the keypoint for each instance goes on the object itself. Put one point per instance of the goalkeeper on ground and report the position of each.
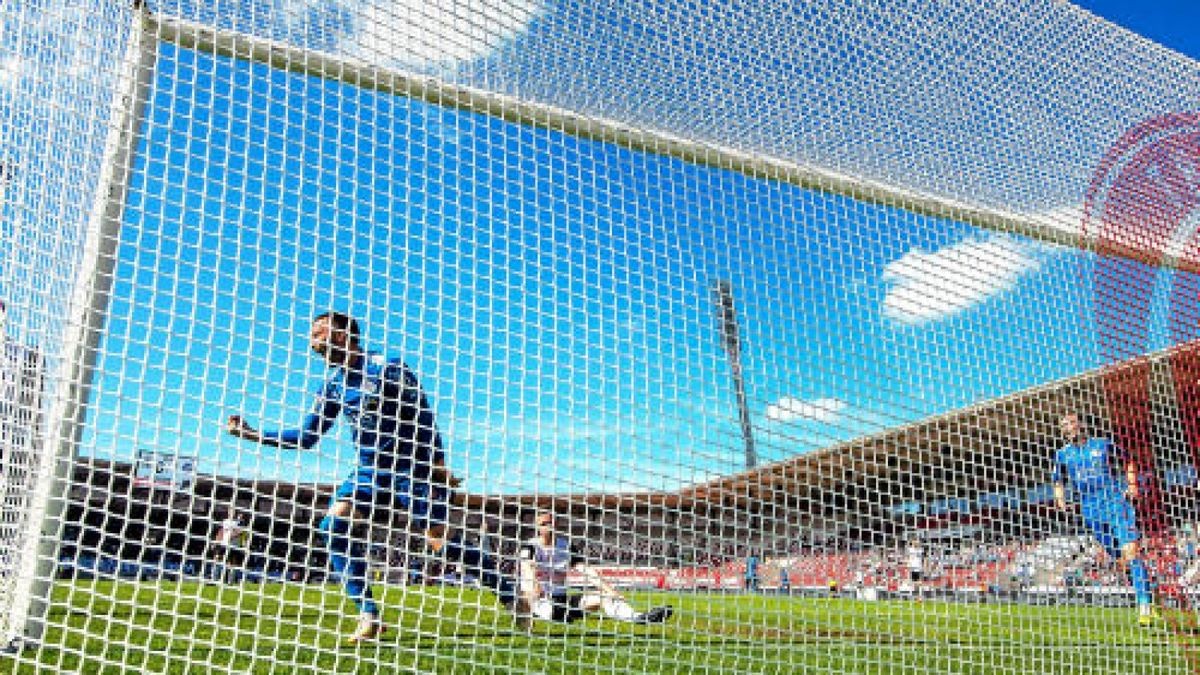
(1091, 466)
(545, 561)
(401, 462)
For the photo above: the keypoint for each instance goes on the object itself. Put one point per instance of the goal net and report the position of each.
(521, 336)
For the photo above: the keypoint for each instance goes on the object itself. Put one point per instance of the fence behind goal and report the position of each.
(784, 313)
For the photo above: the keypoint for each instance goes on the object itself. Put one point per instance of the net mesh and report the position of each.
(776, 311)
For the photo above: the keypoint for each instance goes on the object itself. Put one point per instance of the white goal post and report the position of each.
(80, 342)
(210, 40)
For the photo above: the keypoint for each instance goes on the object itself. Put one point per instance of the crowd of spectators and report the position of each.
(812, 557)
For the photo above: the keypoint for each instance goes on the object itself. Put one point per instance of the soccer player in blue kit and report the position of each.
(1092, 466)
(401, 462)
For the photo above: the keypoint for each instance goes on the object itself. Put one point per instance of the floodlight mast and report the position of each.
(731, 342)
(87, 313)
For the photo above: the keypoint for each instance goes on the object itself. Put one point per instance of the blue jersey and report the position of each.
(391, 422)
(1092, 468)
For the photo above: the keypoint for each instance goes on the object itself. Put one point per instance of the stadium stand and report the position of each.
(963, 481)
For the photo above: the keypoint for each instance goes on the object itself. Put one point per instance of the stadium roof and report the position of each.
(997, 445)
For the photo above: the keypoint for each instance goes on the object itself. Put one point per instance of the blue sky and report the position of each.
(1170, 23)
(552, 293)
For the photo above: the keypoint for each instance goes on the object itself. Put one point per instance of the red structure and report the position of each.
(1141, 210)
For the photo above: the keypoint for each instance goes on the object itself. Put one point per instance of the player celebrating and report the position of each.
(1088, 464)
(401, 461)
(545, 561)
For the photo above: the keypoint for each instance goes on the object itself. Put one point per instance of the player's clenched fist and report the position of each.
(236, 426)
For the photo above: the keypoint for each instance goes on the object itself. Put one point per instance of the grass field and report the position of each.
(126, 627)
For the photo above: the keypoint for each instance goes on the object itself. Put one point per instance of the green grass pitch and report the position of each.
(151, 627)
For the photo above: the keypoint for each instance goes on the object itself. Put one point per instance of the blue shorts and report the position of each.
(369, 489)
(1112, 522)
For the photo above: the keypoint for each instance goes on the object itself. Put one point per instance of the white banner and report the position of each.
(164, 470)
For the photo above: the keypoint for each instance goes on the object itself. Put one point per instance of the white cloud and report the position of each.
(789, 409)
(928, 286)
(78, 64)
(421, 33)
(11, 69)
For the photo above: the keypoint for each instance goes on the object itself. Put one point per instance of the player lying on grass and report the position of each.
(1090, 465)
(401, 463)
(545, 561)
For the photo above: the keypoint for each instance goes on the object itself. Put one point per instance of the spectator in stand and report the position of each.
(916, 565)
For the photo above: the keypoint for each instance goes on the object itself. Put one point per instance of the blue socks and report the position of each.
(349, 560)
(473, 559)
(1141, 582)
